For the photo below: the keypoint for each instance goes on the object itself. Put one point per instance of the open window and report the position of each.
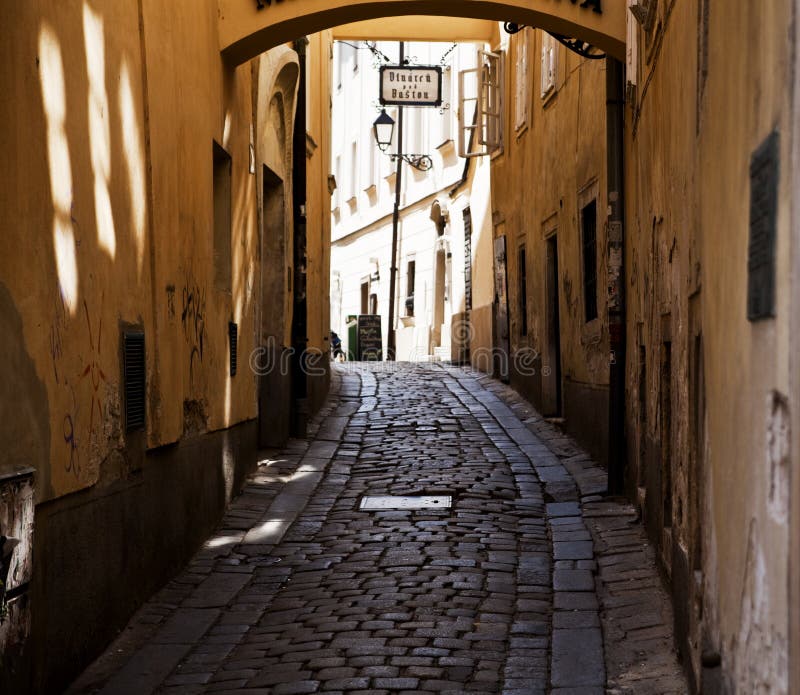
(480, 106)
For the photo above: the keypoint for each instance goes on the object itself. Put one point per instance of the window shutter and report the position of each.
(549, 64)
(480, 107)
(521, 84)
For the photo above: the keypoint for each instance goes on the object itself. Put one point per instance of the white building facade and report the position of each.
(435, 228)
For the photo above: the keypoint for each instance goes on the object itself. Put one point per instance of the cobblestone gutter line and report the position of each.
(635, 608)
(526, 669)
(576, 649)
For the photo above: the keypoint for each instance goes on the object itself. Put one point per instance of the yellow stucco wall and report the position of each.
(688, 153)
(110, 118)
(553, 162)
(182, 73)
(318, 201)
(75, 205)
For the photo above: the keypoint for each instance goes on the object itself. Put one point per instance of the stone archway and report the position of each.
(249, 27)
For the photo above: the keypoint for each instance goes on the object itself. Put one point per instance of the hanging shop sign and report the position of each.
(411, 85)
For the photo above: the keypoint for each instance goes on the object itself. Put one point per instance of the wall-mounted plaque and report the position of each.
(764, 178)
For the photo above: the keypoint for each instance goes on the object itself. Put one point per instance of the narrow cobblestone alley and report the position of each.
(301, 591)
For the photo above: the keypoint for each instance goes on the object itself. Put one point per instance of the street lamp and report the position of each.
(383, 131)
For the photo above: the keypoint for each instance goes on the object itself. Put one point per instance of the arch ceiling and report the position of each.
(249, 27)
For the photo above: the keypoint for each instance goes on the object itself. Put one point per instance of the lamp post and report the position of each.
(383, 129)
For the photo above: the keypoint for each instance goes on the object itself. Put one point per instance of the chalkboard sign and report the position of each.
(369, 337)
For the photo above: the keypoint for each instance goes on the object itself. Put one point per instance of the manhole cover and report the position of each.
(406, 502)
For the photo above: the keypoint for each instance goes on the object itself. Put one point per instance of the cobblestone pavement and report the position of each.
(300, 591)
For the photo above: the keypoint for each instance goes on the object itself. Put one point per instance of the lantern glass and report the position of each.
(383, 130)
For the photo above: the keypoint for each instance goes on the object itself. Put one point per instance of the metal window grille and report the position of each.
(233, 336)
(134, 376)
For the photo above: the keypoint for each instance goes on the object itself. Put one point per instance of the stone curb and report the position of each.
(627, 645)
(577, 658)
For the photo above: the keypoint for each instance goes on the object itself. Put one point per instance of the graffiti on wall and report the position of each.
(56, 340)
(170, 302)
(193, 312)
(83, 416)
(93, 372)
(73, 464)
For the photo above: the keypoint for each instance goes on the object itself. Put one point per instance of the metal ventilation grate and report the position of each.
(233, 335)
(134, 376)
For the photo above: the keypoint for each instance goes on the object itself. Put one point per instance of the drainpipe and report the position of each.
(615, 114)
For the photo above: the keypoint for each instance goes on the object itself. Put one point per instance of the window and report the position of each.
(372, 154)
(549, 65)
(344, 53)
(222, 218)
(411, 271)
(419, 127)
(480, 108)
(352, 181)
(521, 82)
(589, 242)
(447, 95)
(337, 175)
(650, 15)
(523, 292)
(338, 60)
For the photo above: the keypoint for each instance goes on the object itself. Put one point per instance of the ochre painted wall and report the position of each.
(701, 109)
(318, 210)
(110, 111)
(108, 194)
(552, 164)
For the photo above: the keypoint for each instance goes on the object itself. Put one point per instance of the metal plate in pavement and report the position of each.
(380, 502)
